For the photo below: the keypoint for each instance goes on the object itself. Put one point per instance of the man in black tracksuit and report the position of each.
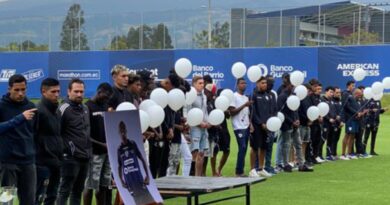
(75, 131)
(315, 128)
(339, 121)
(17, 149)
(359, 136)
(329, 124)
(49, 143)
(261, 112)
(372, 123)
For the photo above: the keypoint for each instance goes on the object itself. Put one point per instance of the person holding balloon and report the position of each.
(329, 124)
(198, 133)
(372, 124)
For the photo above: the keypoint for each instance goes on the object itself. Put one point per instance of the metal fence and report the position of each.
(321, 25)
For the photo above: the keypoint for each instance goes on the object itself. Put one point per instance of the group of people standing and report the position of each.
(55, 152)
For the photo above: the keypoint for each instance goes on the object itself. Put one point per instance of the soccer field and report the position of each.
(362, 181)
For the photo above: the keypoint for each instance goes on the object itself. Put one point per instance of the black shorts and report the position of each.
(224, 141)
(258, 139)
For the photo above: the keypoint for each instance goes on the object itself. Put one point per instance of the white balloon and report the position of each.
(216, 117)
(293, 102)
(238, 70)
(126, 106)
(160, 96)
(144, 120)
(176, 99)
(183, 67)
(313, 113)
(274, 124)
(368, 93)
(281, 116)
(156, 115)
(377, 88)
(146, 104)
(222, 103)
(324, 109)
(297, 78)
(301, 92)
(191, 96)
(378, 96)
(359, 74)
(194, 117)
(254, 73)
(229, 94)
(386, 82)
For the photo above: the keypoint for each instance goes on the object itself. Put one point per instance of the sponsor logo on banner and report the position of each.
(277, 71)
(82, 74)
(203, 70)
(154, 71)
(33, 75)
(6, 74)
(347, 69)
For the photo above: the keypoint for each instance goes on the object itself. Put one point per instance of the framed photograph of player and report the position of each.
(128, 160)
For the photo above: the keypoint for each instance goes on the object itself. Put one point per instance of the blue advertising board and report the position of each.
(332, 65)
(34, 66)
(336, 64)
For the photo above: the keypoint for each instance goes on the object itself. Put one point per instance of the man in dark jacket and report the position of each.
(339, 121)
(352, 114)
(304, 127)
(17, 152)
(49, 143)
(328, 134)
(99, 164)
(120, 76)
(75, 131)
(372, 123)
(315, 127)
(258, 141)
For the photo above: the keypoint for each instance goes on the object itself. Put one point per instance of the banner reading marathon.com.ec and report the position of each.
(332, 65)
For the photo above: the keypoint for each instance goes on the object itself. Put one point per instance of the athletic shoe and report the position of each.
(352, 156)
(305, 168)
(264, 173)
(278, 169)
(374, 154)
(295, 167)
(344, 157)
(318, 159)
(366, 156)
(335, 157)
(253, 173)
(271, 170)
(330, 158)
(287, 168)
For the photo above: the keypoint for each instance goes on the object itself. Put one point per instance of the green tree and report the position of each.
(366, 38)
(25, 46)
(161, 38)
(119, 43)
(72, 34)
(219, 36)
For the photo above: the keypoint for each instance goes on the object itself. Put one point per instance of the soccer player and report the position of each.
(17, 148)
(329, 125)
(120, 76)
(372, 124)
(129, 169)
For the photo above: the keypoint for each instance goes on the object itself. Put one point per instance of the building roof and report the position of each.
(335, 14)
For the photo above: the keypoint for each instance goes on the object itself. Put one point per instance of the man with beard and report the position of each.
(75, 131)
(339, 122)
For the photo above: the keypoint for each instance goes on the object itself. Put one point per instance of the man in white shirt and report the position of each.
(239, 110)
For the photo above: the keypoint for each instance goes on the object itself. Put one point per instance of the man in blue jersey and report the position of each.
(129, 169)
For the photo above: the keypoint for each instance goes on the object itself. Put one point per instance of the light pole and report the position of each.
(209, 28)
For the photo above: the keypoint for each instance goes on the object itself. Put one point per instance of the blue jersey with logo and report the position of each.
(128, 155)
